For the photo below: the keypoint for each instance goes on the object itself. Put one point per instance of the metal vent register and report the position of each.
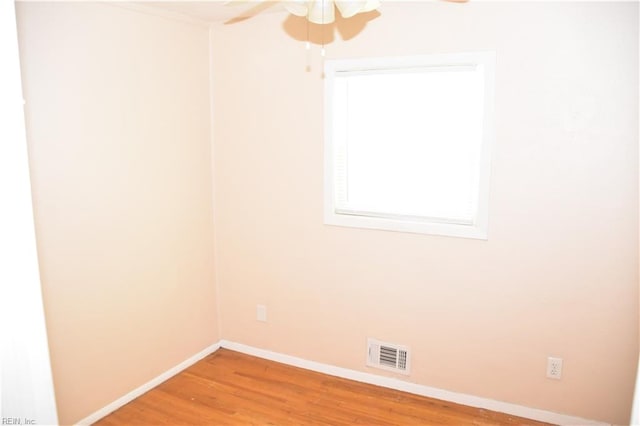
(388, 356)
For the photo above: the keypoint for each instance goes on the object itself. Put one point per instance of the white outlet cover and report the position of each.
(554, 368)
(261, 313)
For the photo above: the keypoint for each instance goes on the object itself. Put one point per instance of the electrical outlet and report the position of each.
(261, 313)
(554, 368)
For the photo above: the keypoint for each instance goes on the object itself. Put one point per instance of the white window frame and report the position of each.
(333, 216)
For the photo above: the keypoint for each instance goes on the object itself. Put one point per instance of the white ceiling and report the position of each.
(216, 10)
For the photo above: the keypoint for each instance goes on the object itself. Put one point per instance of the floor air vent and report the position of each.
(388, 356)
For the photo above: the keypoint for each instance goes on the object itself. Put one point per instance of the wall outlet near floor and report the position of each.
(261, 313)
(554, 368)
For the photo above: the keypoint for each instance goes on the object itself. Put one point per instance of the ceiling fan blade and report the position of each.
(257, 6)
(371, 5)
(239, 2)
(296, 7)
(349, 8)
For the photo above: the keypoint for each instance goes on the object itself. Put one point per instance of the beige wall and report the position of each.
(118, 127)
(559, 273)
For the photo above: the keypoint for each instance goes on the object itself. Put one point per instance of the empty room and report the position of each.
(319, 212)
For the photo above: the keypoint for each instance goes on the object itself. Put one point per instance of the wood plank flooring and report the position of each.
(229, 388)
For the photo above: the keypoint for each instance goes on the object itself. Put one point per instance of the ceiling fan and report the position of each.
(323, 11)
(318, 11)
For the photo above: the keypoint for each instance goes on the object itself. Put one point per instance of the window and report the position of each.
(408, 142)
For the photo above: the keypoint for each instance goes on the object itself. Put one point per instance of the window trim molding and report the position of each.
(332, 216)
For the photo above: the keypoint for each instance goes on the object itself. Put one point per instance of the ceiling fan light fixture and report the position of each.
(321, 12)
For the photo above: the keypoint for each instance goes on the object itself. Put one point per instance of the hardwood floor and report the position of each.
(229, 388)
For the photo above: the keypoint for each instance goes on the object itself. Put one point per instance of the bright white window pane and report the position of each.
(412, 142)
(408, 143)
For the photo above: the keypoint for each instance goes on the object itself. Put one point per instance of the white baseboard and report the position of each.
(148, 386)
(392, 383)
(359, 376)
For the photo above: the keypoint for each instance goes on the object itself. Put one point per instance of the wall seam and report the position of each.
(216, 276)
